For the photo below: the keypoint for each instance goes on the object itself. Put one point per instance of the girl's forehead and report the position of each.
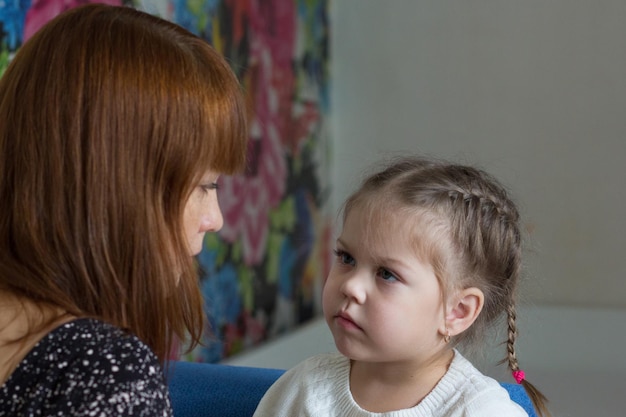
(380, 219)
(380, 228)
(375, 230)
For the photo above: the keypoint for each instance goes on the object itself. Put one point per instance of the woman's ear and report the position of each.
(463, 309)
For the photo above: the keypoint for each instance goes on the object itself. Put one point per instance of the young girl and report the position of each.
(428, 257)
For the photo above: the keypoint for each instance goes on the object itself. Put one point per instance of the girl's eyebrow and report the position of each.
(376, 259)
(386, 260)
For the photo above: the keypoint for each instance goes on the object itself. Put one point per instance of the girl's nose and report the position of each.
(354, 287)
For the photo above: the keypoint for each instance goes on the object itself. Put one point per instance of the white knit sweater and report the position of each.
(320, 386)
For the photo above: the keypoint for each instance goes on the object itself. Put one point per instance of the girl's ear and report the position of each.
(462, 310)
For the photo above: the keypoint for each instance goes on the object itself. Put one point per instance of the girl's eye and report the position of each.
(344, 257)
(387, 275)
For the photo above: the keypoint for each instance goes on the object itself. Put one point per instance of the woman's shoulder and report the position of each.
(88, 365)
(83, 344)
(97, 339)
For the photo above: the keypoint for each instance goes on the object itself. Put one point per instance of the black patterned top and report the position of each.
(87, 368)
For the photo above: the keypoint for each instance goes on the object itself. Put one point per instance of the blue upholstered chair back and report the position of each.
(210, 390)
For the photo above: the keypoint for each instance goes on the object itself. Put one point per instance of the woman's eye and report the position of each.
(387, 275)
(209, 187)
(344, 257)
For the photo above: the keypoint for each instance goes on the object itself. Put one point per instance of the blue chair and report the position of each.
(211, 390)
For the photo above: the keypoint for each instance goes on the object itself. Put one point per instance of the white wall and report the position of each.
(534, 91)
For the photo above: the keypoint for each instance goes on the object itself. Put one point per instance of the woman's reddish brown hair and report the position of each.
(108, 117)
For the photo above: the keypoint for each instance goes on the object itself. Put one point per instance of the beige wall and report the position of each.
(534, 91)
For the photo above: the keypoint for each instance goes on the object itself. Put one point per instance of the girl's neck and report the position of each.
(383, 386)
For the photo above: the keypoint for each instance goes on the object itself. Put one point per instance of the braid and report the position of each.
(512, 337)
(538, 399)
(485, 224)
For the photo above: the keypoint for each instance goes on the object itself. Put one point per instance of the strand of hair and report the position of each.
(540, 402)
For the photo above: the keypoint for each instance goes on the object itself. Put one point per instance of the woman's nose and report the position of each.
(212, 219)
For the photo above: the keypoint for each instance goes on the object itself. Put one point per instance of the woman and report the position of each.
(115, 126)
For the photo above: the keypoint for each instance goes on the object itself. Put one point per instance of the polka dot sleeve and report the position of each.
(87, 368)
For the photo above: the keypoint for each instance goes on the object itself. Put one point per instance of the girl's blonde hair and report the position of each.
(108, 118)
(466, 226)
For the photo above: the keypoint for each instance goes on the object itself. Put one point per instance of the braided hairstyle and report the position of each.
(469, 230)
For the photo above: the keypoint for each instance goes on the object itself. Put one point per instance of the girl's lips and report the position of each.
(345, 321)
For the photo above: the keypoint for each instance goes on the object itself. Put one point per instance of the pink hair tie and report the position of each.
(519, 376)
